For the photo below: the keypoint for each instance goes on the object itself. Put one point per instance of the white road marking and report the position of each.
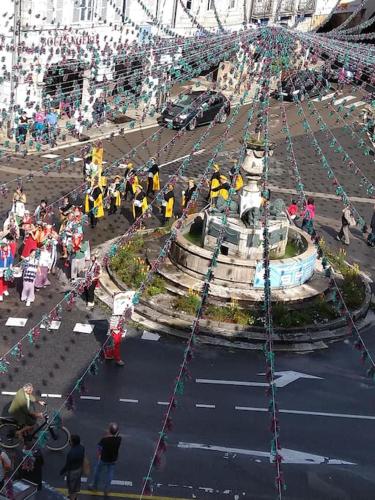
(57, 396)
(289, 456)
(150, 336)
(115, 482)
(199, 405)
(199, 152)
(54, 325)
(285, 378)
(8, 393)
(164, 403)
(16, 322)
(328, 96)
(50, 156)
(83, 328)
(313, 413)
(344, 99)
(356, 104)
(94, 398)
(129, 400)
(230, 382)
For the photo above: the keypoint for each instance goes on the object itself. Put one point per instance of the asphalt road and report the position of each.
(219, 448)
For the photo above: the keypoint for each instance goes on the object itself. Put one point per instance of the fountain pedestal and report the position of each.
(244, 231)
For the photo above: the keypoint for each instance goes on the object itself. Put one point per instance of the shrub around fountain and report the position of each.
(132, 269)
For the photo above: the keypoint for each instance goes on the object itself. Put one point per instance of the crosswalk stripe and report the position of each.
(356, 104)
(328, 96)
(344, 99)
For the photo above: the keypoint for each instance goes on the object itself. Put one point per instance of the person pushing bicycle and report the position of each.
(22, 409)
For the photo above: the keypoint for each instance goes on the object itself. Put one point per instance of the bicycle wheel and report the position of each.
(57, 438)
(8, 437)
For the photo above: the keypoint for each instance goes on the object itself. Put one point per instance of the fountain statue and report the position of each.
(244, 232)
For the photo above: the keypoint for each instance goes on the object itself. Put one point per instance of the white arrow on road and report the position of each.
(284, 378)
(289, 456)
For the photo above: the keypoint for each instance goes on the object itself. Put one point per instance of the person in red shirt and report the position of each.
(293, 210)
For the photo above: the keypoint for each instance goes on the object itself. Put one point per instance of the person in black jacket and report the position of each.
(73, 467)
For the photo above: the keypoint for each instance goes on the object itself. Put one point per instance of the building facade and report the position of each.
(47, 44)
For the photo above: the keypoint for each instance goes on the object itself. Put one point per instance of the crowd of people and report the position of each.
(27, 463)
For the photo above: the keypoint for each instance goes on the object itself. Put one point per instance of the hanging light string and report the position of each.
(268, 349)
(359, 343)
(86, 280)
(178, 386)
(92, 366)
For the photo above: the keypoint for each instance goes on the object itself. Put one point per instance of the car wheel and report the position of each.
(223, 118)
(192, 124)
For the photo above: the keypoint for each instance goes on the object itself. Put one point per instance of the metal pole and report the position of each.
(123, 14)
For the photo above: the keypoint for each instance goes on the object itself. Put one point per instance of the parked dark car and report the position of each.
(196, 108)
(303, 84)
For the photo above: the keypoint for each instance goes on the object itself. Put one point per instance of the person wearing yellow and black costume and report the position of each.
(114, 195)
(167, 205)
(223, 188)
(153, 180)
(140, 204)
(94, 202)
(214, 183)
(238, 182)
(131, 181)
(187, 195)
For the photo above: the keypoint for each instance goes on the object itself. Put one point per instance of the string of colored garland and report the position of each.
(85, 281)
(92, 368)
(358, 342)
(178, 386)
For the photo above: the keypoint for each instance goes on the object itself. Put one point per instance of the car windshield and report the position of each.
(188, 99)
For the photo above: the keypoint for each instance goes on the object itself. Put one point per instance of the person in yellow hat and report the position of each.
(237, 177)
(114, 195)
(168, 204)
(140, 204)
(223, 188)
(94, 202)
(153, 180)
(214, 183)
(131, 181)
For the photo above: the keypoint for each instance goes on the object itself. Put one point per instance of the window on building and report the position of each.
(210, 4)
(84, 10)
(188, 4)
(232, 4)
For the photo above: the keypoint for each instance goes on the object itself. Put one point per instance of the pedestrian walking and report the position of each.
(153, 180)
(222, 190)
(131, 181)
(187, 196)
(73, 467)
(29, 275)
(80, 257)
(114, 195)
(94, 271)
(22, 128)
(44, 264)
(94, 203)
(347, 221)
(308, 216)
(140, 204)
(108, 450)
(236, 179)
(371, 236)
(114, 352)
(293, 210)
(214, 183)
(5, 465)
(7, 253)
(167, 205)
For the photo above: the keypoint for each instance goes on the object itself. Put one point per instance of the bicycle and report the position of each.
(58, 437)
